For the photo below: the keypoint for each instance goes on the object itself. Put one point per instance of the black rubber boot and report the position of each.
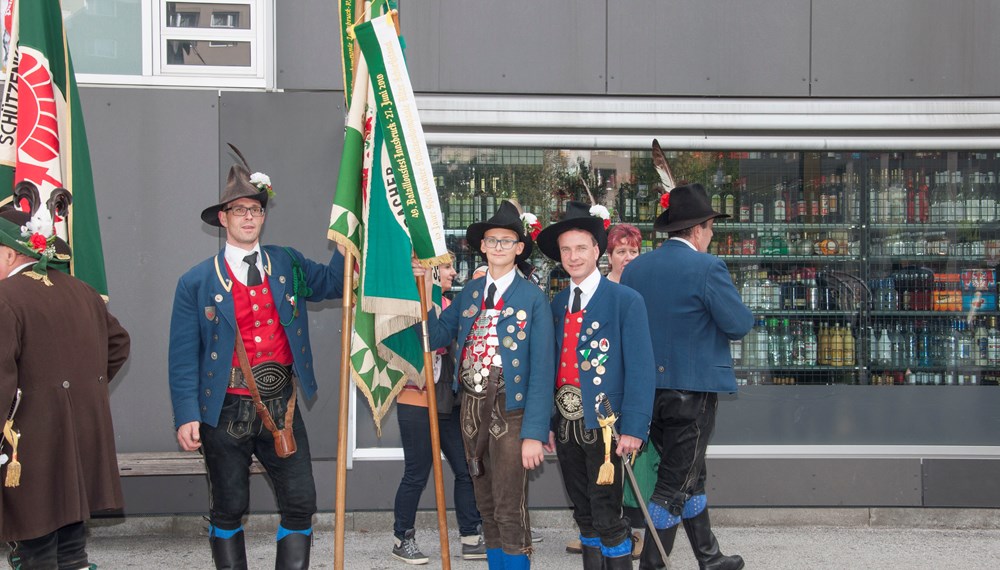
(592, 558)
(229, 553)
(293, 552)
(649, 558)
(706, 547)
(618, 563)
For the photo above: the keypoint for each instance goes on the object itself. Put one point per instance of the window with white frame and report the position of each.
(225, 43)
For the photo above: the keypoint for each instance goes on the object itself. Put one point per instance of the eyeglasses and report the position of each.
(492, 242)
(255, 211)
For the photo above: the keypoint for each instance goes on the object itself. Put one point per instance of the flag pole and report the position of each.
(347, 332)
(432, 416)
(347, 328)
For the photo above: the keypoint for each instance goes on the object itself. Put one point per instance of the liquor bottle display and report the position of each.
(861, 268)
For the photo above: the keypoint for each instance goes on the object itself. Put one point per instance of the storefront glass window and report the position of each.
(862, 268)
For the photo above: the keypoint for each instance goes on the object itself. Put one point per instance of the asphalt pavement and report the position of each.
(839, 541)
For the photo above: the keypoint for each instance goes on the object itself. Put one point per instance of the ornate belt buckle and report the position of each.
(569, 401)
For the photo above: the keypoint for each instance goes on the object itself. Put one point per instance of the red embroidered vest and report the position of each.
(569, 366)
(260, 325)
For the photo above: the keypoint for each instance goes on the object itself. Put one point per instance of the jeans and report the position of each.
(682, 424)
(415, 432)
(228, 449)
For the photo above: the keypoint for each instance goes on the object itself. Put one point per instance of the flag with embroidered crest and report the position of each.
(44, 159)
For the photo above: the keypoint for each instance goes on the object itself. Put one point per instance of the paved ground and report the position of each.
(797, 547)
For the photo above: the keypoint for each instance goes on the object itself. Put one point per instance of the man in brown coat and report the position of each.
(60, 348)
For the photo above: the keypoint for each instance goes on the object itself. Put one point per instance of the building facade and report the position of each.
(887, 108)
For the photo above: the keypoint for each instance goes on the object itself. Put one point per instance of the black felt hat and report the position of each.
(507, 217)
(688, 206)
(577, 217)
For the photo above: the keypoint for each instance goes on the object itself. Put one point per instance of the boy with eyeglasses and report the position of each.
(258, 294)
(506, 369)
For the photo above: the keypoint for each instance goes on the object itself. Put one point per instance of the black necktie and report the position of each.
(489, 295)
(577, 293)
(253, 274)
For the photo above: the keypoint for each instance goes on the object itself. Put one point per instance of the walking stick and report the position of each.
(432, 416)
(602, 399)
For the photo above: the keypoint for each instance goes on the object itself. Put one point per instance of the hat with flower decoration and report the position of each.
(508, 217)
(686, 206)
(579, 216)
(240, 184)
(35, 237)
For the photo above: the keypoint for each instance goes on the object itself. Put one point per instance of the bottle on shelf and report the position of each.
(778, 211)
(836, 346)
(993, 344)
(812, 344)
(787, 344)
(849, 346)
(774, 350)
(980, 345)
(884, 348)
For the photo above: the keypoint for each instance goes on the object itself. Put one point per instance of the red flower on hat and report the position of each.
(536, 228)
(38, 242)
(607, 224)
(665, 200)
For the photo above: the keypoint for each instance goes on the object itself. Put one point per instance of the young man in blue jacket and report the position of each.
(505, 368)
(259, 292)
(603, 347)
(694, 311)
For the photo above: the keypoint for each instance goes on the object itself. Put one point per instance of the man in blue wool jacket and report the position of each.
(603, 348)
(258, 293)
(694, 311)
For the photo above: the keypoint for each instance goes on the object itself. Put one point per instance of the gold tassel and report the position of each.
(14, 467)
(606, 475)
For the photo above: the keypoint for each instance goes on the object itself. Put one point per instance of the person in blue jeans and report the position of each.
(411, 411)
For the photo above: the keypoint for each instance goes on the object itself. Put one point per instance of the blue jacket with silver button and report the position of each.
(615, 334)
(528, 369)
(203, 333)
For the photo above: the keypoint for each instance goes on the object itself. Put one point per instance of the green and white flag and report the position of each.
(368, 219)
(43, 144)
(397, 117)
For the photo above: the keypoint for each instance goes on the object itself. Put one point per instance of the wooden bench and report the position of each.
(167, 463)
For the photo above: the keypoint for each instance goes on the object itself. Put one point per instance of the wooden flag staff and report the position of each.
(347, 328)
(432, 415)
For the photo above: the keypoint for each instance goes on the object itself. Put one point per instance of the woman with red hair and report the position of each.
(623, 247)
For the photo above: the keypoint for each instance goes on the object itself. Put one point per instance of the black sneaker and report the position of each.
(474, 546)
(407, 550)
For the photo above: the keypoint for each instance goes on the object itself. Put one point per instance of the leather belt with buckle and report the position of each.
(569, 401)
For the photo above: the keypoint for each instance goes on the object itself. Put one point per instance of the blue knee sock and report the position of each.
(624, 548)
(694, 506)
(216, 532)
(283, 532)
(516, 561)
(494, 558)
(662, 518)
